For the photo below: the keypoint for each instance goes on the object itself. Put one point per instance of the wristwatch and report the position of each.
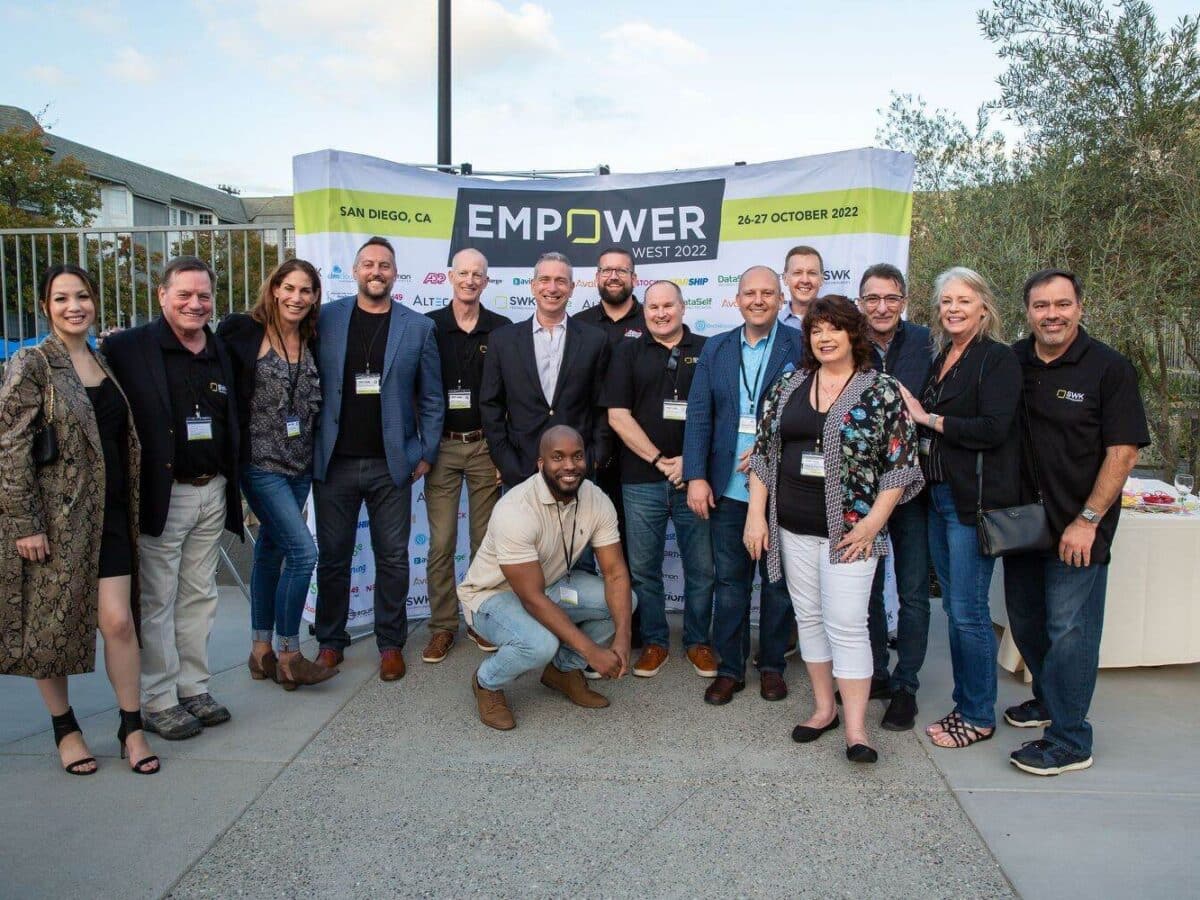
(933, 417)
(1090, 516)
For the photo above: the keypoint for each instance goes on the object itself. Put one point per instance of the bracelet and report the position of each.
(933, 417)
(654, 462)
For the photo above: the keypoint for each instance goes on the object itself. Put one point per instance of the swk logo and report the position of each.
(1073, 396)
(664, 222)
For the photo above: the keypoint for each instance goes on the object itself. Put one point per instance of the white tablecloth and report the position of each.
(1152, 611)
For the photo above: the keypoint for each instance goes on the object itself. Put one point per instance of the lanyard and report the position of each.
(193, 361)
(367, 348)
(817, 407)
(562, 533)
(293, 372)
(469, 352)
(673, 370)
(752, 393)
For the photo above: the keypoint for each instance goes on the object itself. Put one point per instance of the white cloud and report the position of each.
(51, 75)
(642, 41)
(130, 65)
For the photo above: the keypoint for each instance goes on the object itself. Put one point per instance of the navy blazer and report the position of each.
(714, 403)
(135, 356)
(513, 406)
(411, 404)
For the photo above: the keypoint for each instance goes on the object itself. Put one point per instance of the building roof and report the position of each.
(256, 207)
(142, 181)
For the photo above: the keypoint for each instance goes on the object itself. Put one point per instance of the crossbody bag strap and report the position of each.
(1037, 475)
(49, 383)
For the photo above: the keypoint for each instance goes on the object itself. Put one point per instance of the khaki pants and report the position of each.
(179, 595)
(443, 488)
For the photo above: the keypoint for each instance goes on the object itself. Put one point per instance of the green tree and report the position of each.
(1105, 180)
(37, 190)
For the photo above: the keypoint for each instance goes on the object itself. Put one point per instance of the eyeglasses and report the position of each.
(613, 270)
(873, 300)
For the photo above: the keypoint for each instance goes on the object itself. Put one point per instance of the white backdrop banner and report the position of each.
(699, 228)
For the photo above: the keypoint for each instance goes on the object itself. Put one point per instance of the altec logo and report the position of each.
(435, 278)
(664, 222)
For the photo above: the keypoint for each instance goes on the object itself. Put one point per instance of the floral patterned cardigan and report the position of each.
(869, 441)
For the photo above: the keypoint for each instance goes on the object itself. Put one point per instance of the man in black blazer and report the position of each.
(179, 381)
(547, 370)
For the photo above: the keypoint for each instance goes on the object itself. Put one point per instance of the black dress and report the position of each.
(801, 498)
(112, 419)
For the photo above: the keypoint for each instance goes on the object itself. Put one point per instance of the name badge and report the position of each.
(812, 465)
(366, 383)
(459, 399)
(923, 446)
(199, 428)
(747, 425)
(568, 595)
(675, 410)
(293, 426)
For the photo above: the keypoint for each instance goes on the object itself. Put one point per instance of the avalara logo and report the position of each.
(659, 223)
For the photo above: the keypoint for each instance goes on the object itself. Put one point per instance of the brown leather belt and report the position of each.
(467, 437)
(198, 481)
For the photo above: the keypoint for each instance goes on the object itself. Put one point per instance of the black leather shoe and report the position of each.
(901, 713)
(722, 689)
(861, 753)
(806, 734)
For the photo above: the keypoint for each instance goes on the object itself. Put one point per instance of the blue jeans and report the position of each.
(525, 644)
(909, 530)
(284, 554)
(965, 576)
(731, 617)
(647, 508)
(1056, 613)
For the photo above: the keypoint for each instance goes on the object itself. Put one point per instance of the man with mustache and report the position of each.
(524, 594)
(463, 329)
(733, 374)
(380, 428)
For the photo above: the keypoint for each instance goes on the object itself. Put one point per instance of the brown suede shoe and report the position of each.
(439, 645)
(722, 689)
(652, 659)
(772, 686)
(703, 660)
(480, 641)
(391, 664)
(330, 659)
(292, 673)
(574, 686)
(493, 709)
(264, 668)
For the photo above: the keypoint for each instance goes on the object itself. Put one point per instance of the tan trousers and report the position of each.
(443, 488)
(179, 595)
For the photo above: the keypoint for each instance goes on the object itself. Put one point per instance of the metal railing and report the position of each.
(126, 262)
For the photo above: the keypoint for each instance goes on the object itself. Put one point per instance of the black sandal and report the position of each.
(963, 733)
(944, 722)
(131, 722)
(67, 724)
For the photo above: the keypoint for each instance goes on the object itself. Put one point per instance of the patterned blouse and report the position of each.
(270, 447)
(870, 446)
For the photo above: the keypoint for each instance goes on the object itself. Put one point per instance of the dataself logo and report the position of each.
(673, 222)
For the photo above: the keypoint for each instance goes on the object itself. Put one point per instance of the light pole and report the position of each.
(443, 109)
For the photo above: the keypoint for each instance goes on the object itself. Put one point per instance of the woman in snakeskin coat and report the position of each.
(68, 560)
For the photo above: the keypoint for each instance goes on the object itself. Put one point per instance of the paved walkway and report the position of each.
(356, 787)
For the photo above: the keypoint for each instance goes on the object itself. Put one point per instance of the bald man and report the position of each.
(462, 330)
(524, 594)
(734, 372)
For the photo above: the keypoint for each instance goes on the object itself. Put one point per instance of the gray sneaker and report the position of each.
(206, 709)
(174, 724)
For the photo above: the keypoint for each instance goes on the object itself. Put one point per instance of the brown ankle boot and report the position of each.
(574, 686)
(294, 672)
(493, 709)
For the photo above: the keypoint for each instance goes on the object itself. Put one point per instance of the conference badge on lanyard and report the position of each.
(459, 399)
(747, 425)
(366, 383)
(675, 410)
(293, 426)
(199, 428)
(812, 465)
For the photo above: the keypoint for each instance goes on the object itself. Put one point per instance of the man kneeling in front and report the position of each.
(523, 594)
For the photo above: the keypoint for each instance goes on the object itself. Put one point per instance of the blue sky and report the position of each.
(228, 90)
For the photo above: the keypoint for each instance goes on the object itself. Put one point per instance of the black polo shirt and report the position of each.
(1079, 404)
(361, 434)
(198, 391)
(632, 324)
(640, 378)
(462, 356)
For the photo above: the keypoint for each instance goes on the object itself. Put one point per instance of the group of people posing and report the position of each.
(807, 444)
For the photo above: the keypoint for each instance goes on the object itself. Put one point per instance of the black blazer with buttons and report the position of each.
(514, 409)
(135, 356)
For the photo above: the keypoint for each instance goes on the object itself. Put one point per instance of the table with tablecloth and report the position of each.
(1152, 610)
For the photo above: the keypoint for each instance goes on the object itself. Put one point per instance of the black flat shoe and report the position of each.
(806, 734)
(861, 753)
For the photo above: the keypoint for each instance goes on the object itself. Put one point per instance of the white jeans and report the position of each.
(178, 572)
(830, 601)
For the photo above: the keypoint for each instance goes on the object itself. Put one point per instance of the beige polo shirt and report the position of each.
(529, 525)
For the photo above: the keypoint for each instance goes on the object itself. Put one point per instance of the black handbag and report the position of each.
(1012, 529)
(45, 440)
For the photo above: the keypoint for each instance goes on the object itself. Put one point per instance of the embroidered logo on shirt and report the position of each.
(1073, 396)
